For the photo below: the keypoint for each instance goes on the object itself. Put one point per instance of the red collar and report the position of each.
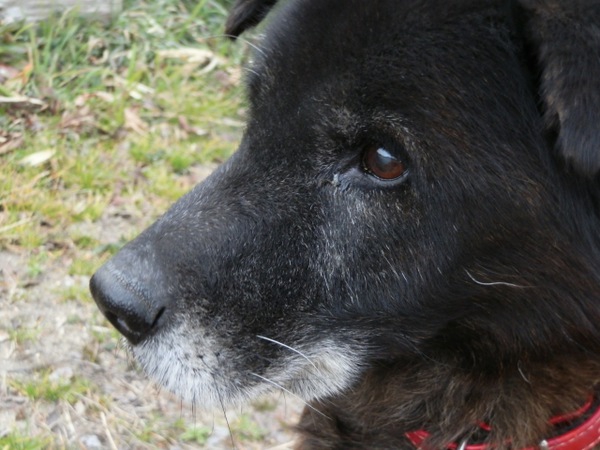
(585, 436)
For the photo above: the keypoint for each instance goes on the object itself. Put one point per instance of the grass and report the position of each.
(101, 121)
(47, 389)
(196, 435)
(21, 335)
(247, 429)
(106, 112)
(17, 441)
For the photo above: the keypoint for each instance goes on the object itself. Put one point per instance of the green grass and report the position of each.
(196, 435)
(22, 335)
(47, 389)
(75, 293)
(112, 112)
(16, 441)
(245, 428)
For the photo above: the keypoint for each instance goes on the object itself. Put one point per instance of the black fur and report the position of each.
(245, 14)
(468, 289)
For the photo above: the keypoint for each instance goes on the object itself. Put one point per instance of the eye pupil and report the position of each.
(381, 163)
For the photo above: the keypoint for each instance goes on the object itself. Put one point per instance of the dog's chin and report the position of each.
(207, 375)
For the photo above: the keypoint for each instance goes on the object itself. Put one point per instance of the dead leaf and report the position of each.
(10, 143)
(37, 158)
(193, 55)
(185, 126)
(229, 78)
(134, 122)
(79, 119)
(33, 123)
(82, 99)
(137, 91)
(7, 72)
(194, 58)
(105, 96)
(20, 101)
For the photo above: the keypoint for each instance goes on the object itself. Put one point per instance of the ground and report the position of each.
(102, 127)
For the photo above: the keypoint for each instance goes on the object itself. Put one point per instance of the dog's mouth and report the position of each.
(205, 372)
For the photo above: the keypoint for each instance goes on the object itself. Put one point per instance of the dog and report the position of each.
(408, 237)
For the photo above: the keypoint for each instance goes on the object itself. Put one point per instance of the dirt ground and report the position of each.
(65, 382)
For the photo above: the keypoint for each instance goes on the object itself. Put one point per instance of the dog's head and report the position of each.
(410, 186)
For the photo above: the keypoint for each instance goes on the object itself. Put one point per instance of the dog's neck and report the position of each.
(395, 400)
(577, 430)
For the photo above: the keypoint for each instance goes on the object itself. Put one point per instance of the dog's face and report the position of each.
(393, 165)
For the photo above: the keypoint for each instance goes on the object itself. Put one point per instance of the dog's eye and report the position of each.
(382, 163)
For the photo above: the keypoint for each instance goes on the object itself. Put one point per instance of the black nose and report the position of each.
(130, 298)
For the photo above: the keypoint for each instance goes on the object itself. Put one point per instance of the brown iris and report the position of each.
(383, 164)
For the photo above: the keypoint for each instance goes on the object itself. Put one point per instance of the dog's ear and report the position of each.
(245, 14)
(564, 36)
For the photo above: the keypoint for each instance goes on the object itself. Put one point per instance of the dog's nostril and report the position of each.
(135, 314)
(160, 313)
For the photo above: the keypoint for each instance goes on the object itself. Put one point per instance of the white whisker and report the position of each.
(494, 283)
(289, 392)
(250, 44)
(298, 352)
(238, 38)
